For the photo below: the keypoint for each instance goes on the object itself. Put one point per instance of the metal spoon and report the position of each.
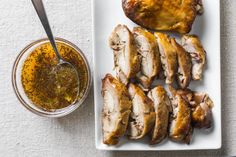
(62, 64)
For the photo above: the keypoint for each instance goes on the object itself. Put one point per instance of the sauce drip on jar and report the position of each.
(45, 88)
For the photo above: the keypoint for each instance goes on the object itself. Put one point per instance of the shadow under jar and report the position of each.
(32, 85)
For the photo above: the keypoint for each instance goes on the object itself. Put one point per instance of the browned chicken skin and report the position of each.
(150, 58)
(127, 62)
(142, 115)
(184, 65)
(116, 110)
(168, 56)
(168, 15)
(192, 44)
(162, 107)
(180, 127)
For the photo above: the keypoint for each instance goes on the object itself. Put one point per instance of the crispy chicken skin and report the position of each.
(167, 15)
(126, 59)
(168, 56)
(180, 127)
(192, 44)
(184, 65)
(150, 58)
(142, 117)
(162, 107)
(201, 106)
(116, 110)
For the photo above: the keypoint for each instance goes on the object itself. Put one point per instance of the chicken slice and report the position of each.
(192, 44)
(126, 59)
(201, 106)
(150, 58)
(168, 56)
(116, 109)
(162, 107)
(180, 127)
(202, 113)
(142, 115)
(185, 65)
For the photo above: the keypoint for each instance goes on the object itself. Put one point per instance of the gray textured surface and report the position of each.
(26, 135)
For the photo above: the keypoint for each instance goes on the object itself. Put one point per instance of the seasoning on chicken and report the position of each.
(184, 65)
(116, 110)
(167, 15)
(192, 44)
(150, 58)
(142, 115)
(163, 108)
(126, 59)
(168, 56)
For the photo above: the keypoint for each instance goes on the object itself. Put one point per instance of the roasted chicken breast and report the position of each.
(192, 44)
(168, 56)
(184, 65)
(126, 59)
(150, 58)
(180, 127)
(142, 117)
(168, 15)
(162, 107)
(116, 110)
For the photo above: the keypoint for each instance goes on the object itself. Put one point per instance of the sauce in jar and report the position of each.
(46, 90)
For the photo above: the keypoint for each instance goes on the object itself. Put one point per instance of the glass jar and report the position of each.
(19, 90)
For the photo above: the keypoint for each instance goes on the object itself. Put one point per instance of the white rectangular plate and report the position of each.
(106, 15)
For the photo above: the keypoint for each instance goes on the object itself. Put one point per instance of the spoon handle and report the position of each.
(38, 5)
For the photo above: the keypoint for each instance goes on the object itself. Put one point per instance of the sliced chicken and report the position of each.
(126, 59)
(180, 127)
(201, 106)
(150, 58)
(116, 110)
(168, 56)
(185, 65)
(142, 115)
(192, 44)
(162, 107)
(202, 113)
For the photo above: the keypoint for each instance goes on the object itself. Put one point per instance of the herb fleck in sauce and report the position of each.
(47, 90)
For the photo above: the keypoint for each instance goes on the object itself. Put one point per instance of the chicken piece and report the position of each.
(202, 113)
(162, 107)
(167, 15)
(186, 94)
(116, 110)
(168, 56)
(142, 115)
(150, 58)
(199, 7)
(201, 106)
(180, 127)
(185, 65)
(126, 59)
(192, 44)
